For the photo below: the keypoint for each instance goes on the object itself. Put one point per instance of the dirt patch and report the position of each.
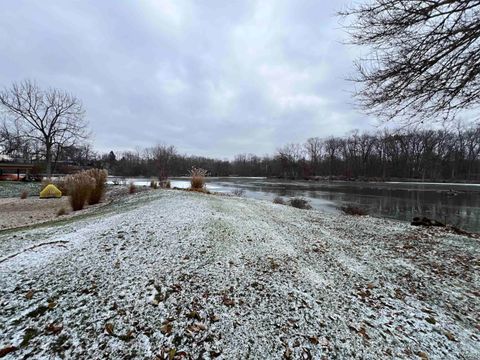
(15, 212)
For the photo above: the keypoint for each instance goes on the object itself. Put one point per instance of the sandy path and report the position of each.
(237, 278)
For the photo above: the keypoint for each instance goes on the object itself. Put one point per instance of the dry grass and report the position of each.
(279, 200)
(79, 187)
(197, 182)
(61, 211)
(238, 192)
(202, 190)
(154, 184)
(299, 203)
(100, 177)
(166, 184)
(132, 189)
(24, 195)
(353, 210)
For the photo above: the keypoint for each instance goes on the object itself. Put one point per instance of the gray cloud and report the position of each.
(212, 78)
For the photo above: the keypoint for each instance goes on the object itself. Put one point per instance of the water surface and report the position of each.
(455, 204)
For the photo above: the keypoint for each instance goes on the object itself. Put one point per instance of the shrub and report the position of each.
(165, 184)
(61, 211)
(132, 189)
(79, 187)
(24, 194)
(197, 182)
(353, 210)
(154, 184)
(100, 177)
(299, 203)
(238, 192)
(279, 200)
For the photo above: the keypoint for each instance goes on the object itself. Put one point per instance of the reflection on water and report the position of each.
(456, 204)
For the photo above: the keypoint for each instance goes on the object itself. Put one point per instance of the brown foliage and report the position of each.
(79, 187)
(279, 200)
(132, 189)
(197, 181)
(100, 177)
(24, 194)
(353, 210)
(299, 203)
(61, 211)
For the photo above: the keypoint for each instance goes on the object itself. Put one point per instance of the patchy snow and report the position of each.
(215, 276)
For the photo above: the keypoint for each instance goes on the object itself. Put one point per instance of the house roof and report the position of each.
(14, 166)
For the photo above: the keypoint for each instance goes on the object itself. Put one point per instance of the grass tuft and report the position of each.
(353, 210)
(238, 192)
(79, 186)
(61, 211)
(24, 195)
(197, 181)
(132, 189)
(279, 200)
(299, 203)
(100, 177)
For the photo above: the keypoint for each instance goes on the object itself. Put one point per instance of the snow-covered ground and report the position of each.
(187, 275)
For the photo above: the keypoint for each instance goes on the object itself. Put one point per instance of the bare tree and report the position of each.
(53, 117)
(163, 156)
(313, 147)
(424, 62)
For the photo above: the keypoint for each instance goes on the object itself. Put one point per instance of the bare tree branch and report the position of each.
(424, 59)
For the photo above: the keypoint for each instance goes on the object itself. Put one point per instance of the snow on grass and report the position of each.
(202, 275)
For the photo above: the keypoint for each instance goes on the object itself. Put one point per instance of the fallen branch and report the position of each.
(33, 247)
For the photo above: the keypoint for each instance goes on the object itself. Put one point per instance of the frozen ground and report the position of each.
(186, 275)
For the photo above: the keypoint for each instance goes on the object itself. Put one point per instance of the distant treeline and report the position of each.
(409, 154)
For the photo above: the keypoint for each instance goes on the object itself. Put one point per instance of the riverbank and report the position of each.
(174, 272)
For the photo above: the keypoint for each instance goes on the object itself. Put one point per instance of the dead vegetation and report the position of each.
(238, 192)
(98, 191)
(61, 211)
(132, 188)
(197, 181)
(299, 203)
(165, 184)
(79, 187)
(353, 210)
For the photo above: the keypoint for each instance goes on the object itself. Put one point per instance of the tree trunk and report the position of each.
(48, 158)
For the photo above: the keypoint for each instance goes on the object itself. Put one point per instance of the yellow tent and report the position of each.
(50, 191)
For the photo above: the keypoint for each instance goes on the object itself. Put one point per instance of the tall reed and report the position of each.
(197, 181)
(98, 191)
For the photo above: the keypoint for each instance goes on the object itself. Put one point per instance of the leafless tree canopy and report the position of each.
(53, 118)
(424, 62)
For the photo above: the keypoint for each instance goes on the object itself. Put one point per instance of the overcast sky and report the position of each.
(212, 78)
